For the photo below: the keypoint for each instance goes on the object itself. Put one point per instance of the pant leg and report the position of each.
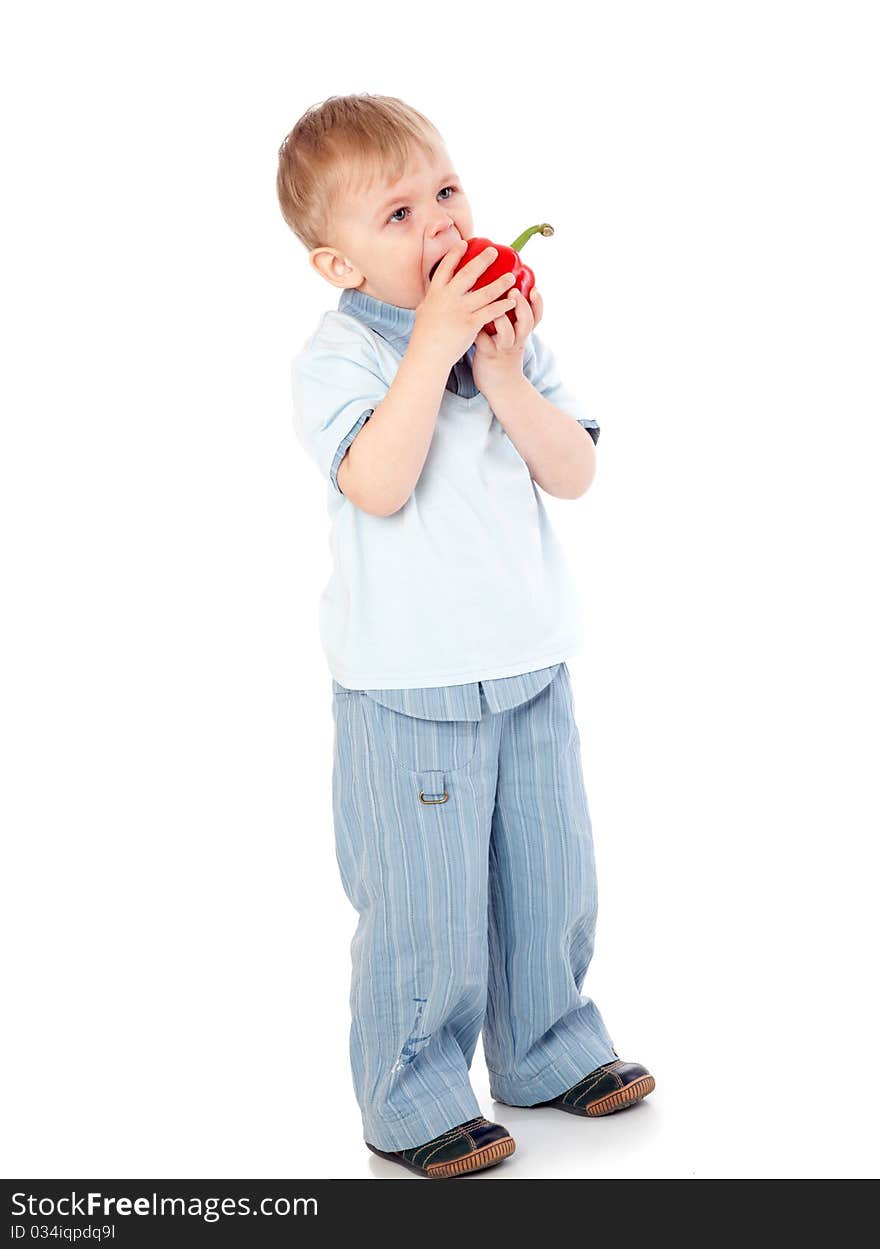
(541, 1035)
(416, 871)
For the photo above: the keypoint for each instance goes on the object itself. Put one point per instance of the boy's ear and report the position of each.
(335, 267)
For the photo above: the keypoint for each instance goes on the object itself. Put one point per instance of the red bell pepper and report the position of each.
(507, 261)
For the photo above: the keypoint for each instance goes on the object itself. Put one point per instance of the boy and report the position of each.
(463, 835)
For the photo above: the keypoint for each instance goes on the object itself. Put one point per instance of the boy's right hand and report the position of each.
(451, 315)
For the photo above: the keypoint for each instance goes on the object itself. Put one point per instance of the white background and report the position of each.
(176, 933)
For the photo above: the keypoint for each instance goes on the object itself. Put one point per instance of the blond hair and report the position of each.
(341, 144)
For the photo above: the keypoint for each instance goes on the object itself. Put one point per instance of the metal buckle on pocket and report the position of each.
(432, 783)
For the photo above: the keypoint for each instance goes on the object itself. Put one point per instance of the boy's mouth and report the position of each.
(440, 259)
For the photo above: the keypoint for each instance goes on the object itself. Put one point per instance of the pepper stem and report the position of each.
(544, 229)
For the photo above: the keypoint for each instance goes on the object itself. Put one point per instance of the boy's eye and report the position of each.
(395, 218)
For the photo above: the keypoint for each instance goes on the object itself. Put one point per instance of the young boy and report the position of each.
(463, 835)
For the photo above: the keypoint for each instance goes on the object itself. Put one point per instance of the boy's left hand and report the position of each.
(498, 359)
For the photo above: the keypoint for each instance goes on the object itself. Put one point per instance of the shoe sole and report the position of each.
(478, 1160)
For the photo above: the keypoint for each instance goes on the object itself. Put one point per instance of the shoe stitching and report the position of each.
(445, 1138)
(603, 1071)
(614, 1074)
(473, 1150)
(585, 1084)
(444, 1143)
(450, 1132)
(438, 1148)
(572, 1097)
(436, 1143)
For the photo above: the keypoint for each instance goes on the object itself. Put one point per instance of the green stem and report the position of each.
(544, 229)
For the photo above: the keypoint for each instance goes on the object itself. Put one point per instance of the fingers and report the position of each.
(525, 321)
(491, 311)
(478, 264)
(450, 260)
(537, 305)
(512, 336)
(484, 293)
(505, 334)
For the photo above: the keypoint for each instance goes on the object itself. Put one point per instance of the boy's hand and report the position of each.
(451, 314)
(498, 360)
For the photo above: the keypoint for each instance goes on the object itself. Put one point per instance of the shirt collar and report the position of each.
(395, 325)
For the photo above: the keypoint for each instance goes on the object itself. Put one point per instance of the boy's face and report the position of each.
(388, 236)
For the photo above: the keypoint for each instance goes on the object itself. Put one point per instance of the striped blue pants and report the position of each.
(466, 848)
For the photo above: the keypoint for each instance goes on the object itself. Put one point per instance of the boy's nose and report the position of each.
(440, 224)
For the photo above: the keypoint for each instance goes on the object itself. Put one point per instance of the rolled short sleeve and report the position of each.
(539, 366)
(337, 383)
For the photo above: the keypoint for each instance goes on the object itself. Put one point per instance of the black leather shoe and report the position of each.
(613, 1086)
(470, 1146)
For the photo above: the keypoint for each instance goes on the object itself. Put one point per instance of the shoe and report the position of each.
(470, 1146)
(613, 1086)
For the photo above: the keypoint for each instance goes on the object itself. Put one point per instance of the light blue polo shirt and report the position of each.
(466, 583)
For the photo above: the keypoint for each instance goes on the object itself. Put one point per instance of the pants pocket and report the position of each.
(420, 745)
